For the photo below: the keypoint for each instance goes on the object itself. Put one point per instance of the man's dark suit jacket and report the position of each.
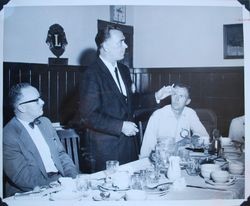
(103, 109)
(22, 162)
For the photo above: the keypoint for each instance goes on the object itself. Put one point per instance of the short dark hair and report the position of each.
(15, 93)
(104, 34)
(182, 85)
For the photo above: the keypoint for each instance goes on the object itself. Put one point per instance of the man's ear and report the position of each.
(21, 108)
(188, 101)
(104, 46)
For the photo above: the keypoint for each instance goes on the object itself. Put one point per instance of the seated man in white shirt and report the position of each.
(176, 120)
(32, 152)
(237, 131)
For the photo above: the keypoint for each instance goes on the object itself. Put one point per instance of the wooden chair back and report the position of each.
(71, 142)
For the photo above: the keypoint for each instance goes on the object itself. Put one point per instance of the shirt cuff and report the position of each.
(157, 100)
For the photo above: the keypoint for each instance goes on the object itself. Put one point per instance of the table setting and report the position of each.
(168, 174)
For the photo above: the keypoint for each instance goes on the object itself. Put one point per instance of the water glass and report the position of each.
(143, 178)
(111, 166)
(152, 178)
(82, 184)
(184, 154)
(136, 182)
(193, 167)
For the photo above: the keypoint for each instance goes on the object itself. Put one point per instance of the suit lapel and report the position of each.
(29, 145)
(50, 142)
(112, 82)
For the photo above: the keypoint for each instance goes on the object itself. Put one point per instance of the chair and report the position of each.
(208, 118)
(142, 116)
(71, 142)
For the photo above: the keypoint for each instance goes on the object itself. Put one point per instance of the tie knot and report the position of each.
(36, 121)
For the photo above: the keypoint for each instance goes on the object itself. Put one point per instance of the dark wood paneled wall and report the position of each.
(58, 86)
(220, 89)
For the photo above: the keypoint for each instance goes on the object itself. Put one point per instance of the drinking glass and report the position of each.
(152, 177)
(111, 168)
(136, 182)
(82, 184)
(184, 155)
(165, 147)
(193, 167)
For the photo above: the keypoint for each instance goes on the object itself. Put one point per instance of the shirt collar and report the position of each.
(108, 64)
(183, 113)
(23, 122)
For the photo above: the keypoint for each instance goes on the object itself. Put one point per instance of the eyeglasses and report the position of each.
(33, 100)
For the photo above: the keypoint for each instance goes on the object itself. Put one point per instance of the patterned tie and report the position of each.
(118, 79)
(36, 121)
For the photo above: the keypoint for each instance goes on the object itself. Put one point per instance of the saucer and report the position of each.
(161, 189)
(111, 188)
(231, 181)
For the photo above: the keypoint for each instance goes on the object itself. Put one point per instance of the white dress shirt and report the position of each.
(163, 123)
(237, 129)
(111, 69)
(41, 146)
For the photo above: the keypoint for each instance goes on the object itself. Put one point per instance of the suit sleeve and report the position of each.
(18, 166)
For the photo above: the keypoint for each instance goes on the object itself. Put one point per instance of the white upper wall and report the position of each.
(182, 36)
(25, 31)
(164, 36)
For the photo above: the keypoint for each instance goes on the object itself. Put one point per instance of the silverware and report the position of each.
(102, 188)
(154, 187)
(210, 188)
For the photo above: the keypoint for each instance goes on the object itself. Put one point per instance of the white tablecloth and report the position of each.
(235, 191)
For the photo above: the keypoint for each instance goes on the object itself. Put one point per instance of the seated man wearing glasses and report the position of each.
(173, 121)
(32, 152)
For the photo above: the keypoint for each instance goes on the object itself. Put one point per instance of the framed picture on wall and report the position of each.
(233, 41)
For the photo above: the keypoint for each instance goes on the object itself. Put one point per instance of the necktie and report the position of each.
(118, 79)
(36, 121)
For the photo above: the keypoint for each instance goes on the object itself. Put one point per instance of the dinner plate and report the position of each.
(231, 181)
(65, 195)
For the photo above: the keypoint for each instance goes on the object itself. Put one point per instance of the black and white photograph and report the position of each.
(124, 102)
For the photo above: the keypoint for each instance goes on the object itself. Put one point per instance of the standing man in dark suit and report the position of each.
(106, 103)
(32, 152)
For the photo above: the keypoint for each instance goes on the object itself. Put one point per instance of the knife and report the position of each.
(210, 188)
(195, 149)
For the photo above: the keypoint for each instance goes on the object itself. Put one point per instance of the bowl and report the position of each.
(236, 168)
(135, 195)
(206, 169)
(225, 141)
(232, 156)
(220, 176)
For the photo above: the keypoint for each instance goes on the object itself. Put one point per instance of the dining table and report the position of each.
(194, 190)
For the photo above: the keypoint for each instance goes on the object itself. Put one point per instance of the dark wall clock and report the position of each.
(118, 13)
